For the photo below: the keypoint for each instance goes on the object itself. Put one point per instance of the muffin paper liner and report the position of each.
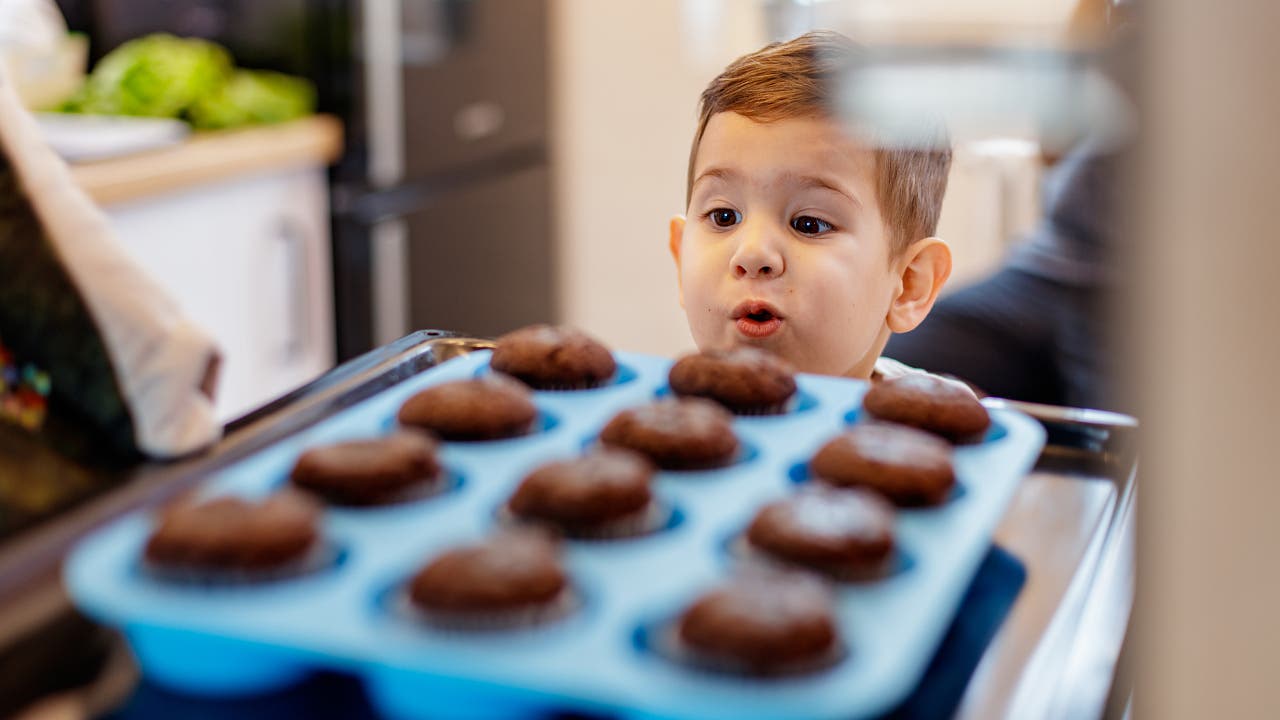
(666, 642)
(649, 519)
(521, 618)
(746, 551)
(322, 555)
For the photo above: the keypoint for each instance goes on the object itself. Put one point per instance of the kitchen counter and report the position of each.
(211, 156)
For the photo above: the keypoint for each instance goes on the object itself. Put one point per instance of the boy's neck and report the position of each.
(865, 368)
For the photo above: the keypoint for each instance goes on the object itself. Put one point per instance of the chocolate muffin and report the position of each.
(371, 472)
(745, 380)
(844, 533)
(762, 624)
(676, 433)
(487, 408)
(512, 579)
(549, 357)
(233, 538)
(928, 402)
(602, 494)
(908, 466)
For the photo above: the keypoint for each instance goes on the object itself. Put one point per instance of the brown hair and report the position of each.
(792, 79)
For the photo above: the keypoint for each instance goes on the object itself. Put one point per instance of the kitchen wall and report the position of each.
(625, 81)
(626, 78)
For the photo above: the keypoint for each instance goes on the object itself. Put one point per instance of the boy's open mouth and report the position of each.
(756, 319)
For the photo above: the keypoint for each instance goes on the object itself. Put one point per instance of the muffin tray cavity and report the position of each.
(238, 638)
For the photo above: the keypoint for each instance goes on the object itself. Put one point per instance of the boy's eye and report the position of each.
(809, 225)
(724, 217)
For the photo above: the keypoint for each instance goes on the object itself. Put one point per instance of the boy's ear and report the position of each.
(676, 228)
(924, 268)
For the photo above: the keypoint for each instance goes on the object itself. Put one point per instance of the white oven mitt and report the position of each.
(123, 361)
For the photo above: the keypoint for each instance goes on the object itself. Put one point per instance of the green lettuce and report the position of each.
(155, 76)
(253, 96)
(195, 80)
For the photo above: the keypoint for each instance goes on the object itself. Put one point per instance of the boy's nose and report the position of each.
(757, 256)
(750, 271)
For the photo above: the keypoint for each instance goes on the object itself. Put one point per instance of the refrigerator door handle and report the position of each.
(384, 106)
(389, 251)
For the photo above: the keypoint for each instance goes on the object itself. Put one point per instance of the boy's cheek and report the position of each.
(692, 278)
(695, 290)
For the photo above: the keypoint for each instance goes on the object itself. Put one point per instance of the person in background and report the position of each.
(1037, 328)
(102, 348)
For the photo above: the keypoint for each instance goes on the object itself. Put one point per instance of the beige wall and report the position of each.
(626, 82)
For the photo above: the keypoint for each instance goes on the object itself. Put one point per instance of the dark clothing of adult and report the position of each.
(1036, 329)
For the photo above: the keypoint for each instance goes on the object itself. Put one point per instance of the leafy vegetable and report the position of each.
(165, 76)
(253, 96)
(156, 76)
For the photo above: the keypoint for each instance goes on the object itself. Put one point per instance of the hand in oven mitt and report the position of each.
(120, 358)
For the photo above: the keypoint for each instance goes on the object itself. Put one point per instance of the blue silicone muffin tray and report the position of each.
(239, 639)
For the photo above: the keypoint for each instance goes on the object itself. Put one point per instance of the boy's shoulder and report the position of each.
(888, 369)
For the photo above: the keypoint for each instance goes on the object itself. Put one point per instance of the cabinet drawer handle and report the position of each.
(297, 276)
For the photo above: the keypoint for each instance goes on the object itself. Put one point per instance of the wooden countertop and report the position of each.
(211, 156)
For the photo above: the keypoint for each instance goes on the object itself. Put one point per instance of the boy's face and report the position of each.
(784, 246)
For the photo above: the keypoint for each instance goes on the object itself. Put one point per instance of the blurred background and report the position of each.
(500, 163)
(482, 164)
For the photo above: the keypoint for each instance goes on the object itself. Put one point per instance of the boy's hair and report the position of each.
(793, 79)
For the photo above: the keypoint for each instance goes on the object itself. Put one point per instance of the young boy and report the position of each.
(799, 238)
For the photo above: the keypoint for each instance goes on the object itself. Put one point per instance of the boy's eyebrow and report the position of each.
(790, 178)
(814, 181)
(718, 173)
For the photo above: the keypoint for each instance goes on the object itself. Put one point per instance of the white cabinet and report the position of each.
(248, 258)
